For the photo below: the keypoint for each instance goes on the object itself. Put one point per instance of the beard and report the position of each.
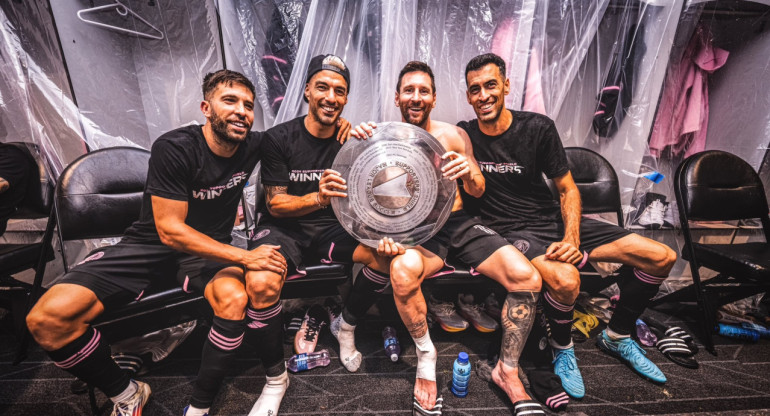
(317, 113)
(415, 121)
(220, 128)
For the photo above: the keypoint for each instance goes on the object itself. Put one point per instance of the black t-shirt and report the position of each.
(16, 168)
(513, 165)
(294, 158)
(183, 168)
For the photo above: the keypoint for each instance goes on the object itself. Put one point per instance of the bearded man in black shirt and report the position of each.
(194, 184)
(514, 150)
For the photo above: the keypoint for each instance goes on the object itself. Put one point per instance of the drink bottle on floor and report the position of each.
(737, 332)
(392, 347)
(461, 374)
(302, 362)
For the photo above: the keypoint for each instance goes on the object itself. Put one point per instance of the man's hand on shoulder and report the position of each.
(564, 251)
(457, 167)
(265, 257)
(344, 132)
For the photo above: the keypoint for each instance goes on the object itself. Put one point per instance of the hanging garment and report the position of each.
(682, 119)
(618, 89)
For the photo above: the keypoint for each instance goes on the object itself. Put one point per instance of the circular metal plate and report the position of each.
(395, 187)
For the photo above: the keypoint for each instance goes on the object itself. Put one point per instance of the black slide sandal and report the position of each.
(527, 408)
(675, 349)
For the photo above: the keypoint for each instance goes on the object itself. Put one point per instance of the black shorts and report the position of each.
(123, 272)
(464, 238)
(534, 240)
(311, 245)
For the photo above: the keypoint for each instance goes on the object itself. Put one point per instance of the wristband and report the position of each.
(318, 200)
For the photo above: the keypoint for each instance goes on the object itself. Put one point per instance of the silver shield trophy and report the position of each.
(395, 187)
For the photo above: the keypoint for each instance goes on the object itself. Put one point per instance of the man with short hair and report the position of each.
(466, 239)
(194, 184)
(515, 149)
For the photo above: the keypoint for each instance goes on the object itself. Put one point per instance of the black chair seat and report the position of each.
(750, 260)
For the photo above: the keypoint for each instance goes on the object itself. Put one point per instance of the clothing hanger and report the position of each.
(122, 10)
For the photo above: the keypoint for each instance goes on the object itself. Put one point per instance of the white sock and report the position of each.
(194, 411)
(272, 394)
(615, 336)
(126, 394)
(345, 334)
(426, 357)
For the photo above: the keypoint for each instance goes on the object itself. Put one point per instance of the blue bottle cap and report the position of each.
(462, 357)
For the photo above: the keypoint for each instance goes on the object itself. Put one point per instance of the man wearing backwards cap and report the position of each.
(299, 186)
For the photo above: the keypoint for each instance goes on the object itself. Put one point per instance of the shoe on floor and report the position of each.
(565, 366)
(133, 406)
(306, 338)
(653, 212)
(446, 315)
(186, 408)
(475, 314)
(631, 354)
(492, 307)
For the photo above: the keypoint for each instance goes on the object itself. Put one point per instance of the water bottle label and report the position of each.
(302, 362)
(390, 341)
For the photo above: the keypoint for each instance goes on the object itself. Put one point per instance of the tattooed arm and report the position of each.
(282, 205)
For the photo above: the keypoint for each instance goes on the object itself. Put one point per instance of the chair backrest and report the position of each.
(719, 186)
(40, 189)
(100, 193)
(597, 181)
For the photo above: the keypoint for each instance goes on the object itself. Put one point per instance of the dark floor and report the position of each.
(736, 382)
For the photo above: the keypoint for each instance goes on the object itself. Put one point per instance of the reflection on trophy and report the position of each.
(395, 187)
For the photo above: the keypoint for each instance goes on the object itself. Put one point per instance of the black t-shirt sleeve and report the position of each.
(552, 154)
(169, 172)
(275, 171)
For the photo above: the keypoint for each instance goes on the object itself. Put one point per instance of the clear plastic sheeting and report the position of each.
(35, 100)
(130, 89)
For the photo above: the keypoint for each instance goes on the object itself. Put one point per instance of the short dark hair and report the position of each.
(483, 60)
(416, 66)
(226, 77)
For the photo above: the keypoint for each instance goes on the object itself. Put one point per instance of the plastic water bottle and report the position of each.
(392, 347)
(737, 332)
(302, 362)
(763, 331)
(646, 337)
(461, 375)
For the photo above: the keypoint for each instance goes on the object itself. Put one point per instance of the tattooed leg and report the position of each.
(517, 318)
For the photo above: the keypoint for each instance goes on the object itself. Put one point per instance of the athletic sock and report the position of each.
(126, 394)
(265, 329)
(219, 350)
(368, 286)
(345, 334)
(426, 357)
(88, 358)
(270, 399)
(560, 317)
(635, 294)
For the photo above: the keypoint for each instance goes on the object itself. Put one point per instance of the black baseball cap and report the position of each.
(328, 62)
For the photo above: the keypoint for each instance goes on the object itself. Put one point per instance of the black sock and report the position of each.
(265, 328)
(559, 319)
(367, 287)
(219, 350)
(88, 358)
(635, 294)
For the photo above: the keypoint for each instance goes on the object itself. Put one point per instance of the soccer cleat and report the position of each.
(652, 215)
(306, 338)
(133, 406)
(186, 408)
(565, 366)
(445, 314)
(475, 314)
(632, 354)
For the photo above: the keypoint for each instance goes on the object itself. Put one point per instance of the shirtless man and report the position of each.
(466, 239)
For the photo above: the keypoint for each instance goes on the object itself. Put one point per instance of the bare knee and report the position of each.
(60, 316)
(264, 288)
(522, 275)
(562, 281)
(228, 300)
(406, 275)
(665, 262)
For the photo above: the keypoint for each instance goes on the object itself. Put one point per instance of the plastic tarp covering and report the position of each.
(35, 99)
(136, 67)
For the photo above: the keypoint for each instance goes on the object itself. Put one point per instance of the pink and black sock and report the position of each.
(88, 358)
(368, 286)
(559, 319)
(265, 332)
(635, 294)
(219, 351)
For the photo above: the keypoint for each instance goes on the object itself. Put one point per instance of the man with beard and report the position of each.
(299, 185)
(515, 149)
(463, 238)
(194, 184)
